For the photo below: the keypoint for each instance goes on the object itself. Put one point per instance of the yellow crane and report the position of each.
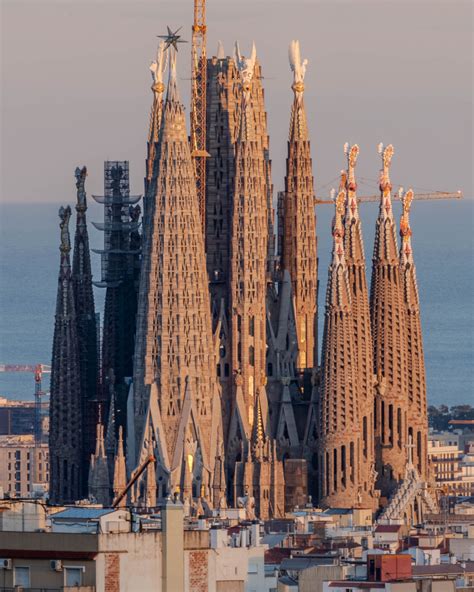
(418, 196)
(198, 102)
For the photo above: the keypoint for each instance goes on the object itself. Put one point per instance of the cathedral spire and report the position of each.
(65, 435)
(248, 285)
(417, 419)
(175, 386)
(356, 269)
(86, 321)
(299, 249)
(120, 472)
(157, 68)
(99, 484)
(340, 454)
(389, 342)
(248, 258)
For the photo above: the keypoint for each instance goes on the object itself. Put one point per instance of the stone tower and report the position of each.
(299, 254)
(355, 261)
(65, 432)
(257, 472)
(417, 420)
(340, 457)
(86, 322)
(387, 310)
(224, 103)
(176, 406)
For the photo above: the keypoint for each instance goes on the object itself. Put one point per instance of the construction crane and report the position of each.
(198, 103)
(38, 394)
(38, 370)
(133, 479)
(418, 196)
(24, 368)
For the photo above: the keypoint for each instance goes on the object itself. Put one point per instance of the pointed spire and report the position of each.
(417, 419)
(172, 93)
(246, 68)
(299, 246)
(86, 321)
(150, 482)
(298, 123)
(356, 269)
(389, 341)
(406, 254)
(338, 257)
(157, 69)
(66, 412)
(175, 379)
(220, 50)
(340, 461)
(249, 251)
(384, 181)
(99, 484)
(120, 473)
(352, 210)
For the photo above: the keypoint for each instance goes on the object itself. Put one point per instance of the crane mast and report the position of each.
(198, 102)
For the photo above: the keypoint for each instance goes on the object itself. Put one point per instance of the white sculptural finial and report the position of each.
(220, 50)
(246, 66)
(297, 66)
(158, 67)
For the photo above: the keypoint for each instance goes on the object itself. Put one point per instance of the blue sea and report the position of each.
(444, 255)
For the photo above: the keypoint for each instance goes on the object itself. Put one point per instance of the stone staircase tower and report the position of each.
(340, 480)
(356, 269)
(387, 309)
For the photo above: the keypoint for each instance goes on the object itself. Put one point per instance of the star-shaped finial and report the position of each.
(172, 38)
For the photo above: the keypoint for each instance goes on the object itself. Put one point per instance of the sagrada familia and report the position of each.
(206, 382)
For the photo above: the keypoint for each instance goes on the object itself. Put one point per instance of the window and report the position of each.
(22, 577)
(73, 576)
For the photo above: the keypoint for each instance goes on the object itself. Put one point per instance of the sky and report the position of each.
(76, 86)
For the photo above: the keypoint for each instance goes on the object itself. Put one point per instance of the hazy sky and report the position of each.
(76, 85)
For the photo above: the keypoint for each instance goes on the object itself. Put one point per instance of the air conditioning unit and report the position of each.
(56, 564)
(5, 563)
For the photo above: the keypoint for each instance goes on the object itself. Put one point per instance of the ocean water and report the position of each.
(444, 256)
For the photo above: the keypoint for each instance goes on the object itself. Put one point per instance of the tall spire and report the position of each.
(417, 419)
(340, 457)
(65, 434)
(175, 387)
(389, 342)
(157, 69)
(356, 269)
(299, 250)
(248, 257)
(120, 472)
(86, 321)
(99, 484)
(249, 436)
